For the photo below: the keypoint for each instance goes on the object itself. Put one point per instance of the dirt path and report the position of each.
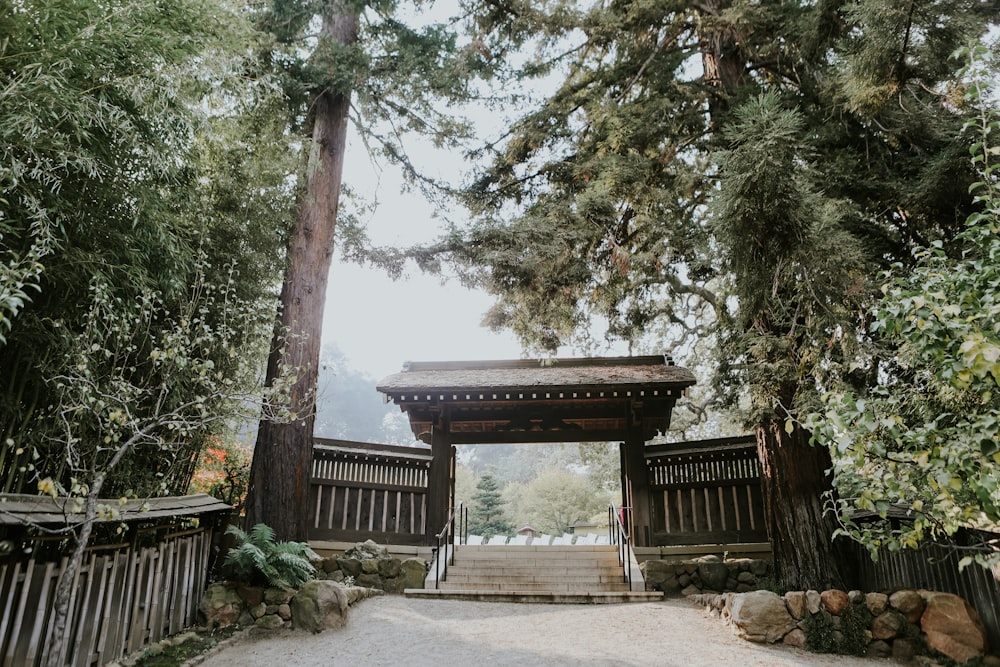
(393, 630)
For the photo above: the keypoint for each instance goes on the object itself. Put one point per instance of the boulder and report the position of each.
(329, 565)
(365, 550)
(251, 595)
(759, 567)
(713, 574)
(278, 596)
(953, 627)
(877, 602)
(813, 601)
(909, 603)
(887, 625)
(320, 604)
(796, 603)
(351, 567)
(388, 568)
(760, 616)
(369, 566)
(258, 610)
(746, 577)
(270, 622)
(878, 649)
(413, 571)
(796, 638)
(221, 605)
(690, 590)
(834, 601)
(904, 650)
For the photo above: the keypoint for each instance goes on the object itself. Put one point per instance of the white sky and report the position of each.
(377, 323)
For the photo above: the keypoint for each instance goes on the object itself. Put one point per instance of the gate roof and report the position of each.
(531, 400)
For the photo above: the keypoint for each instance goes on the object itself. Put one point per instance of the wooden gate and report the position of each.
(363, 491)
(706, 492)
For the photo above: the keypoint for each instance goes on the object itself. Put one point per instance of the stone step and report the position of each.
(482, 561)
(550, 565)
(583, 551)
(570, 586)
(584, 578)
(551, 597)
(551, 570)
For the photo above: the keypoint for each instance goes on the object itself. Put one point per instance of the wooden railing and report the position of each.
(706, 492)
(124, 598)
(369, 491)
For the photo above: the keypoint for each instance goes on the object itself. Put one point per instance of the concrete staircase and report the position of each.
(569, 574)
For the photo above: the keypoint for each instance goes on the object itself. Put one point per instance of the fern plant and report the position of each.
(258, 560)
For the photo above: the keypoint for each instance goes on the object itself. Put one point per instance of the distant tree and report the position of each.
(557, 499)
(487, 516)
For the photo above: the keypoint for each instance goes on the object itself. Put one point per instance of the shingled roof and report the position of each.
(605, 373)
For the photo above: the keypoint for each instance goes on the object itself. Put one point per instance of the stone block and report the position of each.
(953, 627)
(413, 571)
(278, 596)
(284, 612)
(351, 567)
(258, 610)
(878, 649)
(221, 605)
(369, 566)
(887, 625)
(834, 601)
(796, 638)
(795, 601)
(389, 568)
(909, 603)
(319, 605)
(904, 650)
(877, 602)
(713, 573)
(760, 616)
(269, 621)
(813, 601)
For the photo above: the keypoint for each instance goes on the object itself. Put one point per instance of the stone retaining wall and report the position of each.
(900, 625)
(708, 574)
(370, 565)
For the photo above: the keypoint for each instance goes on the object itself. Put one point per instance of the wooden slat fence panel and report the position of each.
(363, 490)
(706, 493)
(935, 567)
(123, 600)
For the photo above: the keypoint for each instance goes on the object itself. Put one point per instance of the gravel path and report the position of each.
(393, 630)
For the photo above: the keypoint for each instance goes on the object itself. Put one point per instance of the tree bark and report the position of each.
(793, 479)
(282, 462)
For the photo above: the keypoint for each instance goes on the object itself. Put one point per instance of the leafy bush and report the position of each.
(258, 560)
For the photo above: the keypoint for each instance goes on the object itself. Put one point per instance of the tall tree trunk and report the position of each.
(793, 479)
(281, 468)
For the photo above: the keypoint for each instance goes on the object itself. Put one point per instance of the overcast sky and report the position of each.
(378, 323)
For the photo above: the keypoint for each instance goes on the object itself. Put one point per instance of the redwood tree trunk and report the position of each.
(282, 461)
(793, 479)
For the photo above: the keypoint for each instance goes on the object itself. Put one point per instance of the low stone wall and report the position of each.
(901, 625)
(370, 565)
(708, 574)
(314, 606)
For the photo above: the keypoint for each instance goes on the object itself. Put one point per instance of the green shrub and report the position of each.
(260, 561)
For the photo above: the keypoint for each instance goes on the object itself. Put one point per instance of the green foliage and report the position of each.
(928, 435)
(822, 635)
(486, 513)
(556, 499)
(129, 195)
(259, 560)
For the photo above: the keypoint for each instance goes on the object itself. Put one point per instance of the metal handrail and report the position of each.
(618, 534)
(446, 538)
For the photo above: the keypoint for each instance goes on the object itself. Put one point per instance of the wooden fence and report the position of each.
(935, 567)
(367, 491)
(124, 598)
(706, 492)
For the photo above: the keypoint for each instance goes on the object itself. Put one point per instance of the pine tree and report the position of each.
(486, 516)
(365, 58)
(734, 169)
